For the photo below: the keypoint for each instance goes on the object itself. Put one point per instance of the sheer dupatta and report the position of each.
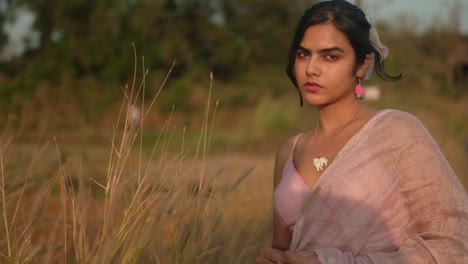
(390, 196)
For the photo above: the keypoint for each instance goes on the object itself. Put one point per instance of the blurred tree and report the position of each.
(3, 11)
(91, 40)
(455, 17)
(263, 28)
(82, 37)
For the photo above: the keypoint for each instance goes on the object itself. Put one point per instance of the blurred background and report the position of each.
(64, 64)
(65, 67)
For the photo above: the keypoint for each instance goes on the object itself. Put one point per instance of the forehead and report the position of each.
(324, 36)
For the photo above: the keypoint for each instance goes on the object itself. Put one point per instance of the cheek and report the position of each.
(299, 68)
(296, 70)
(345, 70)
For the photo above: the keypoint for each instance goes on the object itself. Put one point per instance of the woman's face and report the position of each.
(324, 66)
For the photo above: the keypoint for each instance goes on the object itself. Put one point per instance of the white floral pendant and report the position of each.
(320, 163)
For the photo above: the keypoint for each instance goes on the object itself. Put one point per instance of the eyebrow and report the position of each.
(326, 50)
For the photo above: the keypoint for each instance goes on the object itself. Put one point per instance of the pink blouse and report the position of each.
(291, 192)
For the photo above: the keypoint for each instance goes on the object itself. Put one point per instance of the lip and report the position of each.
(312, 86)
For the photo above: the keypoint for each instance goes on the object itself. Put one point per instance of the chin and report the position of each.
(314, 101)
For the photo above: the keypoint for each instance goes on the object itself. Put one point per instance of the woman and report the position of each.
(364, 186)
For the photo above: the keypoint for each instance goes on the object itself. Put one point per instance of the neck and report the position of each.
(335, 116)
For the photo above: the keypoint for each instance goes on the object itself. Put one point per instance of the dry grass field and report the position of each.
(215, 210)
(117, 202)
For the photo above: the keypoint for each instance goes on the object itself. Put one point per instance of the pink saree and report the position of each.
(390, 196)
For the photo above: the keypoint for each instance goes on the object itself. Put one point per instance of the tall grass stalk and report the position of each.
(157, 207)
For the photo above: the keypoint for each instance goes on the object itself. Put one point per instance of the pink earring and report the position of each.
(359, 90)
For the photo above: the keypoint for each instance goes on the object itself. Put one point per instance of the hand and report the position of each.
(302, 257)
(270, 255)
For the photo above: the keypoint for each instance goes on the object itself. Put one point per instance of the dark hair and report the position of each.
(348, 19)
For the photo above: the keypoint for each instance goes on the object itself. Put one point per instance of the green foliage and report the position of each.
(272, 117)
(176, 96)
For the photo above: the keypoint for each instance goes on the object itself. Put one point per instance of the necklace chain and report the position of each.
(321, 161)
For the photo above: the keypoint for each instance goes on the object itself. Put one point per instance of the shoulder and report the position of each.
(399, 123)
(282, 155)
(397, 116)
(285, 148)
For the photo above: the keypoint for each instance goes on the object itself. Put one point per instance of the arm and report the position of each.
(438, 206)
(282, 236)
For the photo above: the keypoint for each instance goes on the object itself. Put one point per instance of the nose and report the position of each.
(313, 68)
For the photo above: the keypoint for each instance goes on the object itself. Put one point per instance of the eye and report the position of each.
(331, 57)
(302, 53)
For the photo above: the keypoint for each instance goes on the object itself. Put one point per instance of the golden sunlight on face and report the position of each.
(324, 65)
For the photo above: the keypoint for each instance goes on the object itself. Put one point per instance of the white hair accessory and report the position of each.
(375, 40)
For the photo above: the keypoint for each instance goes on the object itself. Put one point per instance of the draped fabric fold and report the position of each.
(390, 196)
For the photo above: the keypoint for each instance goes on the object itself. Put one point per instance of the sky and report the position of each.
(423, 14)
(17, 33)
(420, 14)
